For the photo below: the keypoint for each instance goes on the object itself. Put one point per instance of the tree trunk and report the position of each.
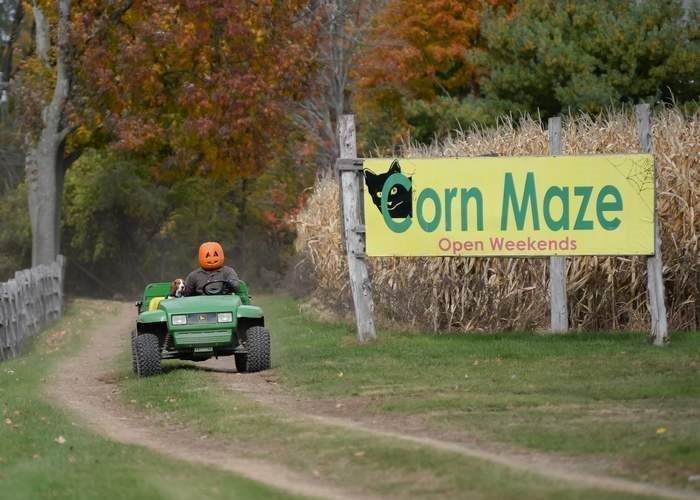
(44, 160)
(41, 182)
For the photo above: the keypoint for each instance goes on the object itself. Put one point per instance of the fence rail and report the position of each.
(27, 303)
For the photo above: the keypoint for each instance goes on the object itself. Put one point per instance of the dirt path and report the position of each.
(81, 385)
(263, 387)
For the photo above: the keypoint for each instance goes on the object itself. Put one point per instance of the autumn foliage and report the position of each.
(200, 87)
(194, 119)
(417, 51)
(418, 48)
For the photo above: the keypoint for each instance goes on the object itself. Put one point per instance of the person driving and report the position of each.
(211, 260)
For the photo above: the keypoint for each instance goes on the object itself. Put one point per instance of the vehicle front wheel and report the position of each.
(258, 347)
(147, 351)
(241, 362)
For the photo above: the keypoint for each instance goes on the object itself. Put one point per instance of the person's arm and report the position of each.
(190, 285)
(231, 276)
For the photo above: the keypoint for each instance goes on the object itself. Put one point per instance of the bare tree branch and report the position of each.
(345, 24)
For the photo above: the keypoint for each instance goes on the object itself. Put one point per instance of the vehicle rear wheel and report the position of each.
(258, 346)
(133, 351)
(147, 351)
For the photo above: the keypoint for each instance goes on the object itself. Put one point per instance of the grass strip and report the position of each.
(356, 460)
(607, 396)
(46, 454)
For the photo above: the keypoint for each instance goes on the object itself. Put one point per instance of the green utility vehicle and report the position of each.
(219, 323)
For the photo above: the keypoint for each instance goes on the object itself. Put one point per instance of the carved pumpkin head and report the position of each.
(211, 255)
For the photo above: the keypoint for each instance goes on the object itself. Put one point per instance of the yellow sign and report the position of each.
(510, 206)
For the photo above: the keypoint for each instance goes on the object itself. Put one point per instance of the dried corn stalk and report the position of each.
(467, 293)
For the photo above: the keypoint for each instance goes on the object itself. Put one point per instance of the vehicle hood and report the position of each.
(200, 304)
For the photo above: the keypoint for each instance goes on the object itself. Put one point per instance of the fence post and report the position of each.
(4, 320)
(559, 313)
(58, 280)
(13, 299)
(27, 303)
(655, 279)
(354, 232)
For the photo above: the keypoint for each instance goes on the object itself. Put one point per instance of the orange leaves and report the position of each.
(416, 53)
(419, 48)
(202, 85)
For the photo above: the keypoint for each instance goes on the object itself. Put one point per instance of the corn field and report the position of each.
(486, 294)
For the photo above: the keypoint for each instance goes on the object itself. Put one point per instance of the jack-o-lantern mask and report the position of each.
(211, 255)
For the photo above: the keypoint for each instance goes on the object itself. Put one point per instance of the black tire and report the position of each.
(241, 362)
(133, 351)
(147, 353)
(258, 346)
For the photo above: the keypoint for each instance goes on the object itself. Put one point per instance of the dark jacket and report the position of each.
(200, 277)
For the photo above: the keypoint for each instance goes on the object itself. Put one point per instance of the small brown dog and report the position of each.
(177, 288)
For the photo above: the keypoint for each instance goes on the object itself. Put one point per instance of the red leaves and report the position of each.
(419, 47)
(204, 84)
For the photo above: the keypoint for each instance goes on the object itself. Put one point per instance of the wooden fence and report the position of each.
(27, 303)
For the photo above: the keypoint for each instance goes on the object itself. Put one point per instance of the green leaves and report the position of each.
(553, 56)
(15, 234)
(110, 205)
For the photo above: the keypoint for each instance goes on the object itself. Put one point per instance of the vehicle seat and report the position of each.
(153, 304)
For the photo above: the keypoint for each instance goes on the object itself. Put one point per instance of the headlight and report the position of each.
(224, 317)
(179, 319)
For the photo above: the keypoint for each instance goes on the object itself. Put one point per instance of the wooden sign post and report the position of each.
(655, 279)
(559, 312)
(350, 173)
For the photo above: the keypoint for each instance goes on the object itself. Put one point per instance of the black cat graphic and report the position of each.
(399, 201)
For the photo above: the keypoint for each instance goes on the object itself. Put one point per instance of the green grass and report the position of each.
(33, 464)
(353, 460)
(324, 360)
(607, 395)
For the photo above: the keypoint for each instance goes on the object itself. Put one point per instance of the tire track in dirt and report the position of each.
(81, 385)
(262, 388)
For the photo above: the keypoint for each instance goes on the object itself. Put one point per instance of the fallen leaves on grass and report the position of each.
(60, 440)
(55, 338)
(661, 430)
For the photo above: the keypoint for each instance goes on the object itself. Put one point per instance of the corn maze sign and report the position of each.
(517, 206)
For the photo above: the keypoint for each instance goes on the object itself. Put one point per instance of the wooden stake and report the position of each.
(559, 313)
(655, 279)
(350, 182)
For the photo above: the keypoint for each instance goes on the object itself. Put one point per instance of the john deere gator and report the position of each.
(222, 322)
